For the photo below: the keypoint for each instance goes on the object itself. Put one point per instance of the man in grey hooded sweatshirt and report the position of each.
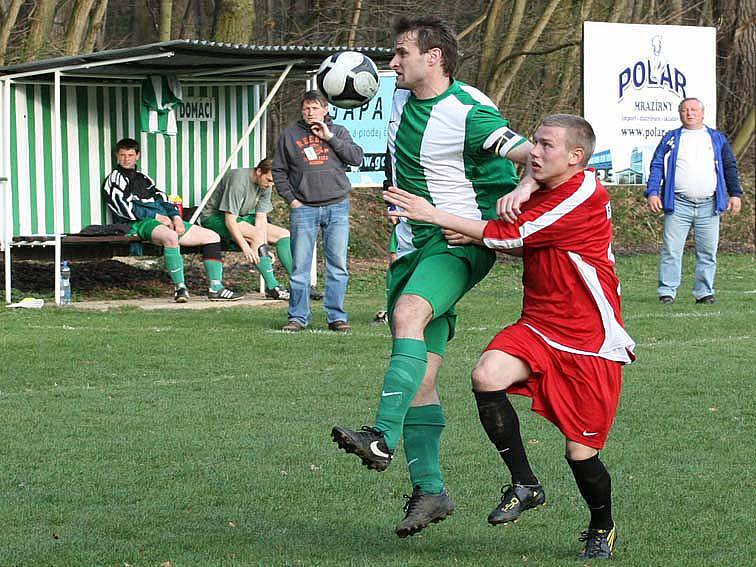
(309, 172)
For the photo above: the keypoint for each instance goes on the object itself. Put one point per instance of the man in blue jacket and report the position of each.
(693, 178)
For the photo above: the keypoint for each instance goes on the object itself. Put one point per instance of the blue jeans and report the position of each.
(305, 222)
(701, 216)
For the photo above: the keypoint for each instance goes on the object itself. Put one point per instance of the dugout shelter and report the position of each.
(60, 118)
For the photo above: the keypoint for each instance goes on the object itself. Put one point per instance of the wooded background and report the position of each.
(525, 54)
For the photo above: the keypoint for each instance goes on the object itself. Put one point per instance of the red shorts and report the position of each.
(577, 393)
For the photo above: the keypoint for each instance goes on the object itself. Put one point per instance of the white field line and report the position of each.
(661, 315)
(97, 329)
(121, 386)
(696, 341)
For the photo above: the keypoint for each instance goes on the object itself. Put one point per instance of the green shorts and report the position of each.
(441, 275)
(143, 228)
(217, 223)
(393, 242)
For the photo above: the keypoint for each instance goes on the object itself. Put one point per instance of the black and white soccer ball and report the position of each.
(347, 79)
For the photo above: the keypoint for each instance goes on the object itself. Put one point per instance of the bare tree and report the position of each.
(234, 21)
(8, 21)
(41, 19)
(166, 13)
(736, 49)
(77, 25)
(489, 52)
(97, 23)
(355, 22)
(503, 76)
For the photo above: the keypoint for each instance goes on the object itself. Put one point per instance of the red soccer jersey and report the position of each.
(571, 293)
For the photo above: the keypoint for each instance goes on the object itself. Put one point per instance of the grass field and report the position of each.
(202, 438)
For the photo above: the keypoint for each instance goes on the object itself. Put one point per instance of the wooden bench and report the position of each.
(79, 247)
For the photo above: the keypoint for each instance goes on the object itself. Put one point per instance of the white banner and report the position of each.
(368, 126)
(634, 77)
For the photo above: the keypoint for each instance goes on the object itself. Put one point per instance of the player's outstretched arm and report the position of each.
(418, 209)
(457, 239)
(508, 207)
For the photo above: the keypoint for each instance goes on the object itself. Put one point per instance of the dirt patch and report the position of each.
(145, 277)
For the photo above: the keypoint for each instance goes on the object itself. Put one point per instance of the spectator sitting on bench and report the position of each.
(133, 198)
(238, 212)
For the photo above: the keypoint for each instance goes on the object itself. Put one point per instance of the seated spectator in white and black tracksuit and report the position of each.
(133, 198)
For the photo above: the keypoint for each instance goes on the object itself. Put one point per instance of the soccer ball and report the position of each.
(347, 79)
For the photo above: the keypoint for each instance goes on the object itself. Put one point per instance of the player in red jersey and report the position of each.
(567, 349)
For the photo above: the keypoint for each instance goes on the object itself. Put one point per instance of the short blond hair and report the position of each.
(579, 132)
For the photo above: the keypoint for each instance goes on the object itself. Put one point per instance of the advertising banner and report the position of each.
(368, 125)
(634, 77)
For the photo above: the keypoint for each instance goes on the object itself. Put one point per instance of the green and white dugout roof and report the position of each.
(190, 58)
(60, 118)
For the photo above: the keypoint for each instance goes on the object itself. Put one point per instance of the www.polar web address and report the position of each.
(643, 132)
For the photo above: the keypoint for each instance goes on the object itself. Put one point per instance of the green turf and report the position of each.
(202, 438)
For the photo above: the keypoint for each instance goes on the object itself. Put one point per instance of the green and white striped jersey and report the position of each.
(442, 150)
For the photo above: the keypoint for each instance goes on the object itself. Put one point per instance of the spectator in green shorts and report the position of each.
(238, 212)
(133, 198)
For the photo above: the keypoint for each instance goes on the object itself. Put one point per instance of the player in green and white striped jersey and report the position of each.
(449, 144)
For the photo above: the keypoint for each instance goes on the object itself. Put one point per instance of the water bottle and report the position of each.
(176, 200)
(65, 283)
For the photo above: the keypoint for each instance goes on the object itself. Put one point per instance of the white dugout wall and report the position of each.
(93, 119)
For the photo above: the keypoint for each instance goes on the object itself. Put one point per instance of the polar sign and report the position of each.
(634, 77)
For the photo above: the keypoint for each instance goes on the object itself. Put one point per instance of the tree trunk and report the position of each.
(9, 20)
(142, 24)
(234, 21)
(97, 22)
(619, 11)
(39, 31)
(504, 79)
(355, 22)
(569, 91)
(676, 15)
(489, 53)
(77, 25)
(166, 14)
(736, 63)
(744, 137)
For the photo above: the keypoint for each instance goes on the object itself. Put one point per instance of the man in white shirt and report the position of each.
(693, 185)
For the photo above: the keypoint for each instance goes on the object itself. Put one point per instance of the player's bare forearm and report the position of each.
(470, 228)
(250, 252)
(508, 207)
(178, 225)
(521, 154)
(417, 208)
(457, 239)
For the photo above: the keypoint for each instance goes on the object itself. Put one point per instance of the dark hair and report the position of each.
(127, 144)
(314, 96)
(432, 32)
(579, 132)
(265, 165)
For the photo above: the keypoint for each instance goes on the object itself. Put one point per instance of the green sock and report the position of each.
(283, 251)
(409, 360)
(214, 270)
(174, 262)
(423, 426)
(265, 266)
